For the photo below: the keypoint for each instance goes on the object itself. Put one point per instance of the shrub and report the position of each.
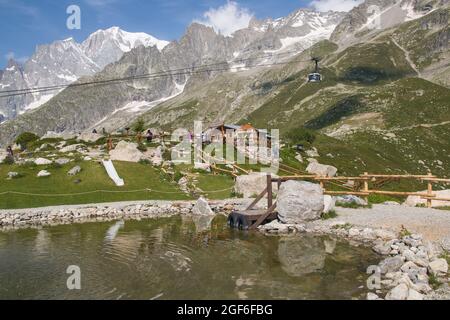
(145, 161)
(139, 125)
(235, 194)
(8, 160)
(329, 215)
(26, 138)
(142, 147)
(177, 176)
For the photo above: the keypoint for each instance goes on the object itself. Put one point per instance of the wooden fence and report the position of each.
(363, 189)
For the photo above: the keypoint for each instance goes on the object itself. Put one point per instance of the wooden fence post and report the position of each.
(430, 191)
(269, 191)
(366, 186)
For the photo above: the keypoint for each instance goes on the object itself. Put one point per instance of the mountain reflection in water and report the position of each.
(178, 258)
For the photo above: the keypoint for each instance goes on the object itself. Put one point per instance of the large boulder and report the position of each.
(202, 208)
(89, 137)
(299, 201)
(126, 151)
(414, 201)
(252, 185)
(322, 170)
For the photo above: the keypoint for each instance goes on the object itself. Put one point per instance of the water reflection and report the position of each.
(178, 258)
(299, 258)
(112, 232)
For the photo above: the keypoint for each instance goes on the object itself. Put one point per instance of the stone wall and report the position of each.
(106, 212)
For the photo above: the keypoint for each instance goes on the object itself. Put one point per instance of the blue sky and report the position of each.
(27, 23)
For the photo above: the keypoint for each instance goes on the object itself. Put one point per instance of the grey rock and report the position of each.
(42, 161)
(391, 264)
(438, 267)
(62, 161)
(202, 208)
(299, 201)
(400, 292)
(43, 173)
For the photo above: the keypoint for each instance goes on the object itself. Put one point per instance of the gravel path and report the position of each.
(433, 224)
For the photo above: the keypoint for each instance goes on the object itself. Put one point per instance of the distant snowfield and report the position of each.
(36, 104)
(139, 107)
(390, 16)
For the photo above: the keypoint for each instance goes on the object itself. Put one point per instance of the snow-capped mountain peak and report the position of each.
(65, 61)
(104, 46)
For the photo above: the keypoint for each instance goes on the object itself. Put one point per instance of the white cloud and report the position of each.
(100, 3)
(228, 18)
(334, 5)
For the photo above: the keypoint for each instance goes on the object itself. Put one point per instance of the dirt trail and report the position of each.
(407, 57)
(433, 224)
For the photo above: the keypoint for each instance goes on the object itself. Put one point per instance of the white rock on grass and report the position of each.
(252, 185)
(70, 148)
(43, 173)
(299, 201)
(438, 267)
(42, 161)
(74, 171)
(126, 151)
(62, 161)
(321, 169)
(202, 166)
(12, 175)
(202, 208)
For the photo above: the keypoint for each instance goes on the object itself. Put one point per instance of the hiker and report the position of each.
(104, 131)
(10, 152)
(139, 137)
(128, 131)
(149, 136)
(94, 131)
(110, 143)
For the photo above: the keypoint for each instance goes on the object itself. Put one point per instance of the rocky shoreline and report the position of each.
(409, 268)
(410, 265)
(50, 216)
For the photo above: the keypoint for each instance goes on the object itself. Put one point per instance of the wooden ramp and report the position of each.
(252, 218)
(247, 219)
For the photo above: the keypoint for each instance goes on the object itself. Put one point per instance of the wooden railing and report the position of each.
(363, 191)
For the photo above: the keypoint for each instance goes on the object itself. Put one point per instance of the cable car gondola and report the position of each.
(315, 76)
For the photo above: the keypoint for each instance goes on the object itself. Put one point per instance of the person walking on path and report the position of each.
(149, 136)
(110, 143)
(10, 151)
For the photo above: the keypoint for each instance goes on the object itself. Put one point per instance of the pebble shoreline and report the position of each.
(50, 216)
(408, 262)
